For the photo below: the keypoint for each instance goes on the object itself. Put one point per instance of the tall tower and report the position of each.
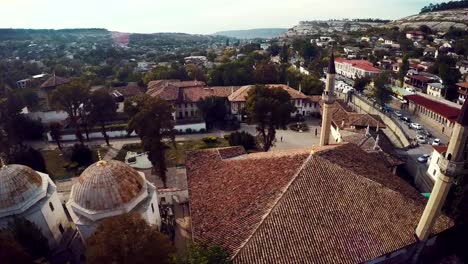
(328, 98)
(451, 164)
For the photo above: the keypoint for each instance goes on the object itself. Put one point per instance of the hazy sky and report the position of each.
(192, 16)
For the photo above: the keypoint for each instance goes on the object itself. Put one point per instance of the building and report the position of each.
(355, 68)
(305, 105)
(433, 168)
(436, 90)
(437, 113)
(419, 81)
(462, 66)
(290, 207)
(462, 92)
(111, 188)
(32, 195)
(415, 35)
(47, 87)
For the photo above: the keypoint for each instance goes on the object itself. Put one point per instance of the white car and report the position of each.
(421, 139)
(398, 114)
(423, 158)
(416, 126)
(436, 142)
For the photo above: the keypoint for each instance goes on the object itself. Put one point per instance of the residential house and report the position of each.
(436, 89)
(305, 106)
(45, 90)
(462, 92)
(462, 66)
(415, 35)
(429, 51)
(355, 68)
(419, 81)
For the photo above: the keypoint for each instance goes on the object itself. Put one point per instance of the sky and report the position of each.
(192, 16)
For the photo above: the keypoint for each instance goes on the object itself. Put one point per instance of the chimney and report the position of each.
(232, 89)
(376, 145)
(368, 134)
(451, 164)
(300, 88)
(328, 98)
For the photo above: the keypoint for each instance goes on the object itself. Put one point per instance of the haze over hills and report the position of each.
(437, 21)
(253, 33)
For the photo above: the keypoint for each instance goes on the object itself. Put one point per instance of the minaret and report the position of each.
(328, 98)
(451, 164)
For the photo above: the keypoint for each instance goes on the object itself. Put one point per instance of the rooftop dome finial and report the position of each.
(100, 161)
(2, 162)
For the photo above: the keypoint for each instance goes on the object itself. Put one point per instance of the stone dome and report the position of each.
(107, 185)
(18, 184)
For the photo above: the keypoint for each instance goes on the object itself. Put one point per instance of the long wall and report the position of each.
(360, 105)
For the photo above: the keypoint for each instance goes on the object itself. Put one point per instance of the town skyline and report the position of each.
(150, 17)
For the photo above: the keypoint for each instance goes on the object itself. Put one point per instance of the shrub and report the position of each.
(202, 130)
(82, 155)
(242, 139)
(188, 131)
(301, 127)
(210, 140)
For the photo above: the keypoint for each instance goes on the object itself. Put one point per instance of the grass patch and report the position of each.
(56, 161)
(176, 156)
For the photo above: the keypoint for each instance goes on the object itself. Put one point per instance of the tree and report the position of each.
(265, 73)
(310, 85)
(12, 251)
(242, 139)
(153, 122)
(380, 92)
(195, 73)
(71, 98)
(55, 130)
(444, 66)
(268, 108)
(128, 239)
(164, 72)
(213, 109)
(284, 54)
(403, 70)
(82, 155)
(102, 108)
(274, 49)
(360, 83)
(28, 156)
(30, 237)
(200, 254)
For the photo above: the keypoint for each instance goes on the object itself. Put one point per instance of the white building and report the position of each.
(436, 90)
(433, 168)
(33, 196)
(111, 188)
(355, 68)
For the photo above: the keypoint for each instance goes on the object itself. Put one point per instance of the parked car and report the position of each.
(398, 114)
(406, 119)
(423, 158)
(426, 133)
(421, 139)
(436, 142)
(416, 126)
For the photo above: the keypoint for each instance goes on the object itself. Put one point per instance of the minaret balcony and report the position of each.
(451, 168)
(328, 98)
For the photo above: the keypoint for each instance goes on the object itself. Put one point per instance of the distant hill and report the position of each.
(253, 33)
(438, 21)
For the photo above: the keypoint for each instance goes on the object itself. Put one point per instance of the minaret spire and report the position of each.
(328, 98)
(452, 163)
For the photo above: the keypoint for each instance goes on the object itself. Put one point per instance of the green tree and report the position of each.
(128, 239)
(242, 139)
(102, 108)
(403, 70)
(284, 54)
(195, 73)
(310, 85)
(55, 130)
(153, 122)
(30, 237)
(200, 254)
(380, 91)
(82, 155)
(360, 83)
(213, 109)
(268, 108)
(12, 251)
(274, 49)
(265, 73)
(28, 156)
(163, 72)
(71, 98)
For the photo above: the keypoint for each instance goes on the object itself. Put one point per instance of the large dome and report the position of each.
(18, 184)
(107, 185)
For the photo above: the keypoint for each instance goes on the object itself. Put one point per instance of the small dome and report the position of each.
(106, 185)
(18, 184)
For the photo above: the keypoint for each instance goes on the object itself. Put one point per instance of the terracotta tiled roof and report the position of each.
(230, 152)
(54, 81)
(421, 78)
(440, 149)
(344, 117)
(463, 85)
(336, 206)
(315, 98)
(168, 93)
(360, 64)
(178, 83)
(228, 198)
(126, 91)
(195, 94)
(241, 94)
(442, 109)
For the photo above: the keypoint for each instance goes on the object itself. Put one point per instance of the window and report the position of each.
(152, 207)
(163, 199)
(51, 206)
(433, 173)
(61, 228)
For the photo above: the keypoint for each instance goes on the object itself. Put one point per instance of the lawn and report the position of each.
(176, 156)
(56, 161)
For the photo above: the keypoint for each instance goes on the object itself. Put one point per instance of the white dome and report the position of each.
(107, 185)
(18, 185)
